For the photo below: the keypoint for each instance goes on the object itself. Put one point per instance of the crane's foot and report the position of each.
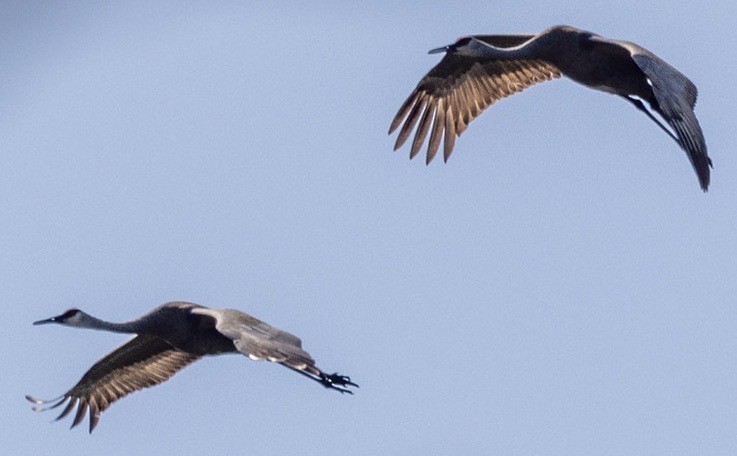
(335, 381)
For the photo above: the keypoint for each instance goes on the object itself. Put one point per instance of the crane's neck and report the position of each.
(477, 48)
(549, 46)
(90, 322)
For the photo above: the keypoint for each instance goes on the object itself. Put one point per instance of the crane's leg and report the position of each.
(333, 381)
(639, 105)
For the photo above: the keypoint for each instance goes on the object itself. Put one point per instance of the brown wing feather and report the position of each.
(457, 90)
(142, 362)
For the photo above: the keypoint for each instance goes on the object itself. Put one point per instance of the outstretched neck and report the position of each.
(528, 51)
(90, 322)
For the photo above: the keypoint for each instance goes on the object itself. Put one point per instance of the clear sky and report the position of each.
(561, 286)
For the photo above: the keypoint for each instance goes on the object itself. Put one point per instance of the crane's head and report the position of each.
(458, 46)
(71, 317)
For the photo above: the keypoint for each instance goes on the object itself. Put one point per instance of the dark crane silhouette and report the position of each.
(479, 70)
(169, 338)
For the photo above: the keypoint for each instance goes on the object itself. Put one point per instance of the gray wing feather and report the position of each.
(259, 340)
(676, 97)
(667, 77)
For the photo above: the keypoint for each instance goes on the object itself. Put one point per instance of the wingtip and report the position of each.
(94, 419)
(400, 141)
(704, 176)
(34, 399)
(41, 405)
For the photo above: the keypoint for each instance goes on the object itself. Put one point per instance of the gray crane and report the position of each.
(168, 338)
(481, 69)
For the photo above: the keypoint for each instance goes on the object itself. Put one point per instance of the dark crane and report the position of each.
(479, 70)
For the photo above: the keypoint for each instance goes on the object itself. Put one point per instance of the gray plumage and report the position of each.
(481, 69)
(169, 338)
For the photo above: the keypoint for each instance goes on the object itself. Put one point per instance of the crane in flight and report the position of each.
(167, 339)
(481, 69)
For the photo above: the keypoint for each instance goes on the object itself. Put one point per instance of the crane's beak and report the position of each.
(441, 49)
(48, 320)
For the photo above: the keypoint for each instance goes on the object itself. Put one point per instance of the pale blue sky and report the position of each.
(561, 286)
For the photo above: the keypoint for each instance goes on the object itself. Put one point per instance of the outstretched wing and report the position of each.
(458, 89)
(259, 340)
(142, 362)
(676, 97)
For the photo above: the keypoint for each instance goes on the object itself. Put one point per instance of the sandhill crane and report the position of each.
(481, 69)
(169, 338)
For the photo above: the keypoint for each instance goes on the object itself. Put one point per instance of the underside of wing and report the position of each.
(676, 97)
(457, 90)
(142, 362)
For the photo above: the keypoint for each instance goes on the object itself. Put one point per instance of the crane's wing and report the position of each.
(676, 97)
(142, 362)
(458, 89)
(259, 340)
